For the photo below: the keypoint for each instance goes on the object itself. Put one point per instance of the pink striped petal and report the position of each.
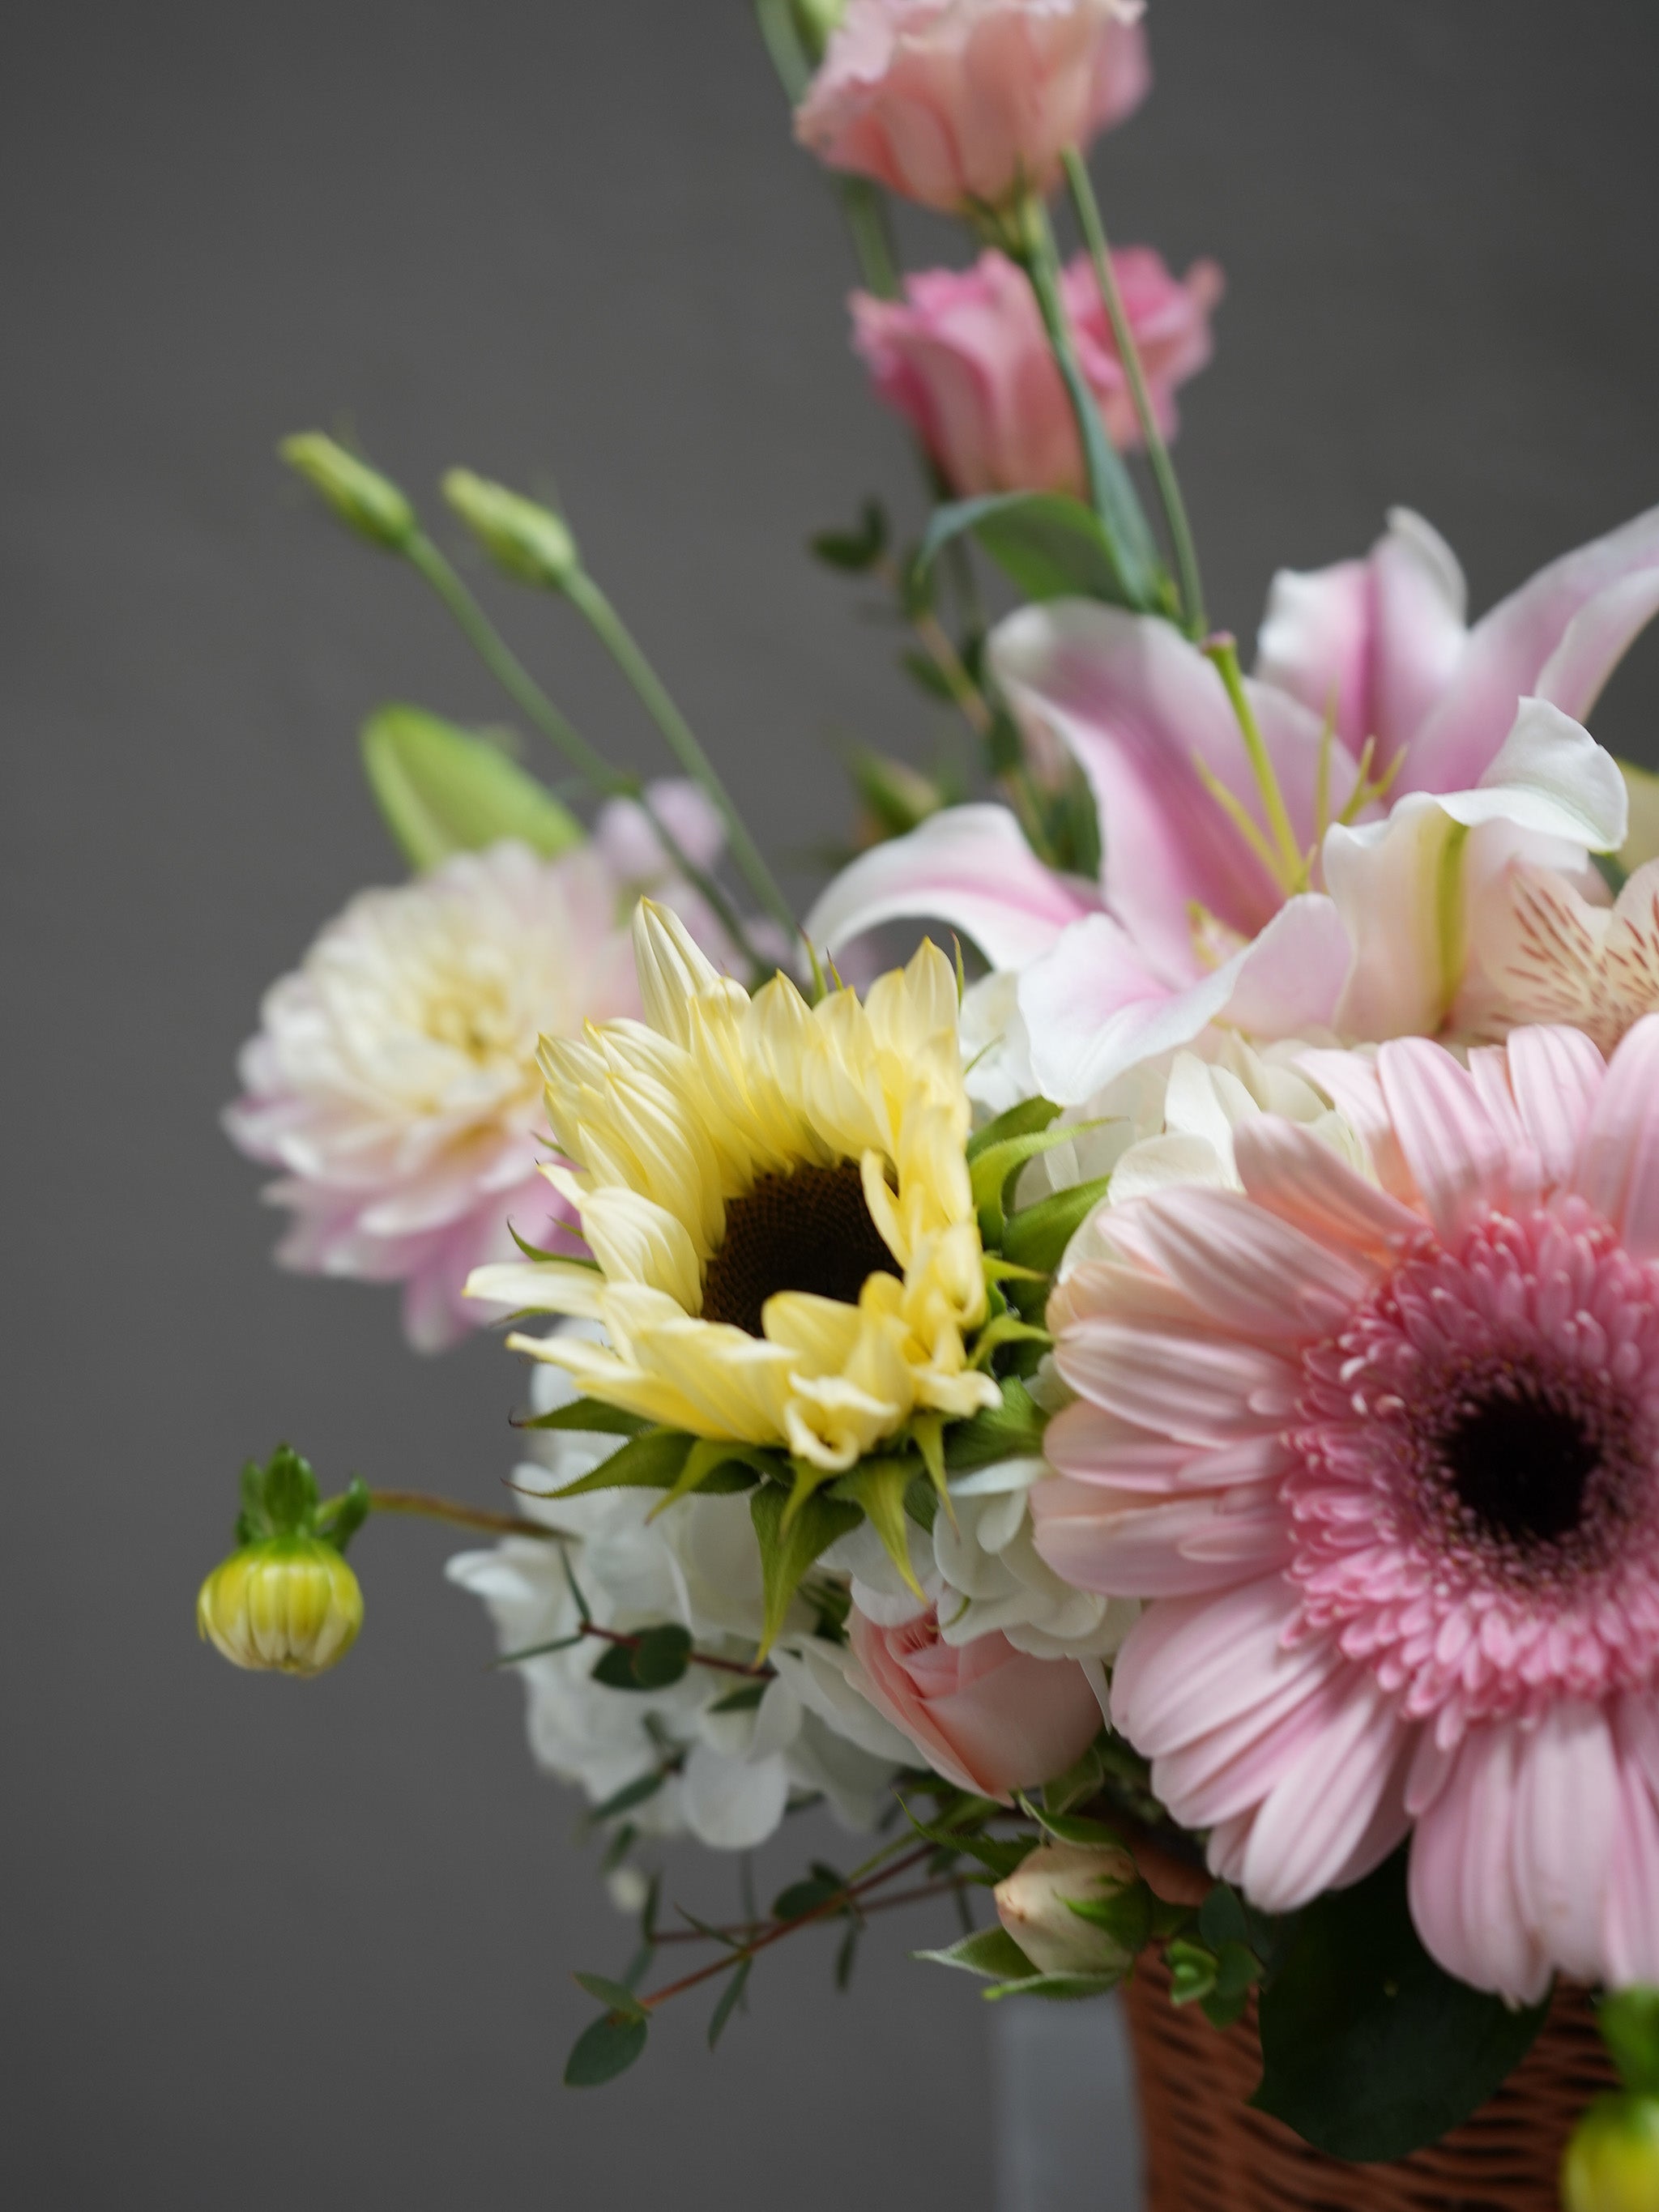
(1284, 1167)
(1555, 1075)
(1564, 1814)
(1453, 1147)
(1092, 1445)
(1240, 1264)
(1190, 1666)
(1464, 1896)
(1631, 1909)
(1617, 1168)
(1203, 1543)
(1326, 1803)
(1202, 1388)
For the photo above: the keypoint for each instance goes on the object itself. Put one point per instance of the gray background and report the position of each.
(270, 1944)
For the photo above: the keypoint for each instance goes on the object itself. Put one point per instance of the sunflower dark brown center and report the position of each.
(809, 1231)
(1521, 1465)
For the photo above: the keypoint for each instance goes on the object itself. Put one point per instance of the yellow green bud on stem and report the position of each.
(287, 1605)
(1611, 2163)
(530, 542)
(1071, 1908)
(363, 499)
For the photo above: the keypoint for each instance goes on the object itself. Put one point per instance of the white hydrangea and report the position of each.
(727, 1777)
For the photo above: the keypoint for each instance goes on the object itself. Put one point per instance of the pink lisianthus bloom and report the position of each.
(1383, 1455)
(1373, 933)
(963, 357)
(986, 1717)
(949, 101)
(393, 1079)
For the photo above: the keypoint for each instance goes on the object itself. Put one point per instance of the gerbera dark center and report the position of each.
(1521, 1465)
(809, 1231)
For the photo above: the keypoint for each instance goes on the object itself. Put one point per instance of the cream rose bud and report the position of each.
(954, 101)
(1611, 2163)
(287, 1605)
(1035, 1905)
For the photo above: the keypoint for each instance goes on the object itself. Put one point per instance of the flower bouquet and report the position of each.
(1148, 1409)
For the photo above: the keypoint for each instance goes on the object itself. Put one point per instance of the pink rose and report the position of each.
(963, 358)
(986, 1717)
(949, 101)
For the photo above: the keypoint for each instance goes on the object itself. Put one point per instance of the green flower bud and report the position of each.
(1611, 2163)
(1076, 1908)
(528, 542)
(364, 500)
(816, 22)
(289, 1605)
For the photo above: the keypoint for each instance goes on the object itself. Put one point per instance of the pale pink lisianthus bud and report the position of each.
(393, 1079)
(951, 101)
(987, 1717)
(963, 358)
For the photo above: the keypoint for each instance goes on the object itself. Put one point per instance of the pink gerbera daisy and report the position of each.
(1385, 1457)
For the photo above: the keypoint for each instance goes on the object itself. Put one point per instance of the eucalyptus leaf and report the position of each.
(604, 2050)
(617, 1995)
(661, 1656)
(630, 1795)
(1369, 2050)
(442, 791)
(731, 1997)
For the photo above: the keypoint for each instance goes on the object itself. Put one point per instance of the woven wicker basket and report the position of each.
(1206, 2151)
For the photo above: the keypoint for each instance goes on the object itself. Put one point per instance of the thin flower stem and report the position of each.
(740, 1932)
(515, 679)
(1041, 265)
(850, 1894)
(613, 633)
(1158, 453)
(463, 1516)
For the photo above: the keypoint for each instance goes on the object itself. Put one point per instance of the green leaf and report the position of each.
(1192, 1970)
(877, 1487)
(787, 1553)
(617, 1995)
(288, 1492)
(650, 1460)
(1053, 546)
(927, 676)
(845, 1956)
(1010, 1430)
(661, 1656)
(1368, 2049)
(1030, 1115)
(1126, 1917)
(340, 1518)
(731, 1997)
(995, 1163)
(1064, 1986)
(999, 1854)
(1225, 1918)
(589, 1417)
(630, 1795)
(719, 1466)
(857, 549)
(1074, 1827)
(602, 2051)
(741, 1700)
(804, 1897)
(442, 791)
(615, 1667)
(1629, 2021)
(1036, 1237)
(991, 1952)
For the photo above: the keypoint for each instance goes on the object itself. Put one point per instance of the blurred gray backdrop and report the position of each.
(270, 1944)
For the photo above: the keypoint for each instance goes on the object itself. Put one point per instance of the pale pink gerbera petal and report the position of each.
(1399, 1517)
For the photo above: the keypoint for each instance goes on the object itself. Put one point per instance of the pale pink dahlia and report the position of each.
(1385, 1457)
(394, 1080)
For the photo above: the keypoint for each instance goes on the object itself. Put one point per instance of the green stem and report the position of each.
(613, 633)
(521, 687)
(1158, 453)
(865, 207)
(1030, 242)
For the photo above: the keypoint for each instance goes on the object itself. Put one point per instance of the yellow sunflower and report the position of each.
(779, 1202)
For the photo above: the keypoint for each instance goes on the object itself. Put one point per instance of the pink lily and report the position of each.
(1266, 887)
